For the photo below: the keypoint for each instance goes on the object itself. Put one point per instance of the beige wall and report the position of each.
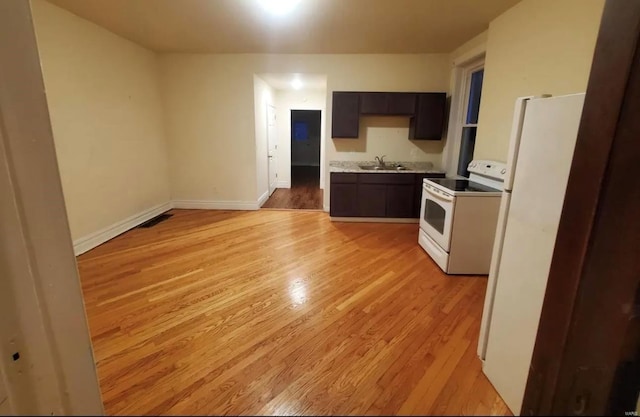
(106, 112)
(472, 46)
(285, 101)
(384, 135)
(263, 96)
(209, 107)
(536, 47)
(209, 103)
(110, 118)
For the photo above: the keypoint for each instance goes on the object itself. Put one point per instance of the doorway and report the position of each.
(305, 148)
(305, 139)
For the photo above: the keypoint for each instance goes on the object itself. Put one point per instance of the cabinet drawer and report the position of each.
(344, 178)
(386, 178)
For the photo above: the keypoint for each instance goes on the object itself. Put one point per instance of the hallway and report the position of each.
(305, 192)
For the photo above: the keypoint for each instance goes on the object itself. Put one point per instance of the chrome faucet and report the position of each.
(380, 160)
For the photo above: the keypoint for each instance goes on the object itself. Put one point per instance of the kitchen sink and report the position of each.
(390, 167)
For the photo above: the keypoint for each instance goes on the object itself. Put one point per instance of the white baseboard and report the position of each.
(263, 198)
(327, 208)
(92, 240)
(89, 242)
(283, 184)
(216, 205)
(372, 220)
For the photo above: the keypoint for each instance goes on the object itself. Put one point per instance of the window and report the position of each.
(470, 125)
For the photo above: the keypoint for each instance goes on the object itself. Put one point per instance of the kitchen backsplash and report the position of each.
(387, 136)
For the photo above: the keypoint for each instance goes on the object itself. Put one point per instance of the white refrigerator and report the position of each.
(543, 139)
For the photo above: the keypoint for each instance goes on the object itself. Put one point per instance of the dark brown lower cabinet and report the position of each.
(400, 201)
(372, 200)
(344, 200)
(377, 194)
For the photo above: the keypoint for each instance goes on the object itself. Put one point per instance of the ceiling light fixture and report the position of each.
(296, 83)
(279, 7)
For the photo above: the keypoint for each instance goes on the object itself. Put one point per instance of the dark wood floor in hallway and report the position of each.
(282, 312)
(305, 192)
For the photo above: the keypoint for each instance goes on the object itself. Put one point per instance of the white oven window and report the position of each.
(435, 215)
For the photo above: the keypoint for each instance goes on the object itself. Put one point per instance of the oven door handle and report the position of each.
(442, 197)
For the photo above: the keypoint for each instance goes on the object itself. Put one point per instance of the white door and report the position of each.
(548, 140)
(272, 144)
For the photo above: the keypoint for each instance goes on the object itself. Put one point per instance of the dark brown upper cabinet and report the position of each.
(387, 104)
(345, 117)
(401, 104)
(426, 110)
(428, 122)
(373, 103)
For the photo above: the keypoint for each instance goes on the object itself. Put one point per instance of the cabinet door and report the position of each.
(400, 200)
(344, 200)
(428, 122)
(345, 116)
(373, 103)
(401, 104)
(372, 200)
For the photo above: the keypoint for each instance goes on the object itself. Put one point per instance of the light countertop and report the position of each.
(412, 167)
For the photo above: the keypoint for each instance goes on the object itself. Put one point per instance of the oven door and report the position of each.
(436, 216)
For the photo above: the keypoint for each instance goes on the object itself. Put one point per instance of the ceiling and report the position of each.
(307, 81)
(314, 26)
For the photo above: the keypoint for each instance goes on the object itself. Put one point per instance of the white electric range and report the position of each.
(458, 218)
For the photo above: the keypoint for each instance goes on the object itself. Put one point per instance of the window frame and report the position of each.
(462, 72)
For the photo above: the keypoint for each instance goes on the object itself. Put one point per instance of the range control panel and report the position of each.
(491, 169)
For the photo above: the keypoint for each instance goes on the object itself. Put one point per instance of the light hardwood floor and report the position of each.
(305, 192)
(281, 312)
